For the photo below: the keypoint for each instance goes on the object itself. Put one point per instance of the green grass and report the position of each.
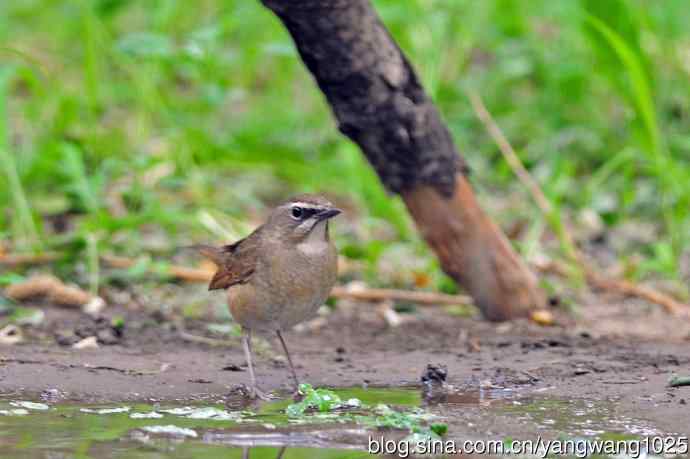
(24, 227)
(149, 125)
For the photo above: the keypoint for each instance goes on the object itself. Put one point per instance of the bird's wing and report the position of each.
(236, 262)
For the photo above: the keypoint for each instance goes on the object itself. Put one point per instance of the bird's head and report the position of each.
(301, 217)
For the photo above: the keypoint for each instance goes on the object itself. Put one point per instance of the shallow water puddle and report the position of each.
(186, 430)
(33, 429)
(581, 418)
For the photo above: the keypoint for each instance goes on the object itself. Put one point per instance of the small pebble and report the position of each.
(232, 367)
(87, 343)
(50, 395)
(107, 336)
(435, 373)
(523, 379)
(66, 338)
(94, 307)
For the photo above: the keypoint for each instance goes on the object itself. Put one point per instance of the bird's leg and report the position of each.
(287, 354)
(281, 452)
(254, 391)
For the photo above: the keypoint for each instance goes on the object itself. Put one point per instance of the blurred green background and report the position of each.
(135, 127)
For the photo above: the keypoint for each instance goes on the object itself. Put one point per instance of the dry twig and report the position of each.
(381, 294)
(509, 154)
(649, 294)
(19, 259)
(593, 277)
(48, 286)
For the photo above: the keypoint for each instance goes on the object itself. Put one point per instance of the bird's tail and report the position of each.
(218, 256)
(215, 254)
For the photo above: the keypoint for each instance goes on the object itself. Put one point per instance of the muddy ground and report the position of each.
(624, 364)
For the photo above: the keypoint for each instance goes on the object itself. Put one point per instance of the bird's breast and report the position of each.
(287, 288)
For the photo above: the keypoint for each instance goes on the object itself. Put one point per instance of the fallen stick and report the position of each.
(593, 277)
(620, 286)
(191, 274)
(19, 259)
(628, 288)
(383, 294)
(48, 286)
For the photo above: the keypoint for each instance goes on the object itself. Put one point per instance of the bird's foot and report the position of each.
(257, 394)
(251, 393)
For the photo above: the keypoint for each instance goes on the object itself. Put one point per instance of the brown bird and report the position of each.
(279, 275)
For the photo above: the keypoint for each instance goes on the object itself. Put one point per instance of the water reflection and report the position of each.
(279, 454)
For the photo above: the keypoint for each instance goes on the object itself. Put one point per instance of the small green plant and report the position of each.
(380, 416)
(118, 323)
(321, 400)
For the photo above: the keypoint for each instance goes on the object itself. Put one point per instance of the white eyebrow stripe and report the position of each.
(308, 205)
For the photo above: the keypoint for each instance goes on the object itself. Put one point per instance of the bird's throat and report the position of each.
(316, 240)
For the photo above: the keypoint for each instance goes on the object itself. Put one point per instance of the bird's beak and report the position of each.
(328, 213)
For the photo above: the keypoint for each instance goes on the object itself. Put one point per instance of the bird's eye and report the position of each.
(297, 212)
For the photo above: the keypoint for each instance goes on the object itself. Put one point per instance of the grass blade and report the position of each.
(24, 228)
